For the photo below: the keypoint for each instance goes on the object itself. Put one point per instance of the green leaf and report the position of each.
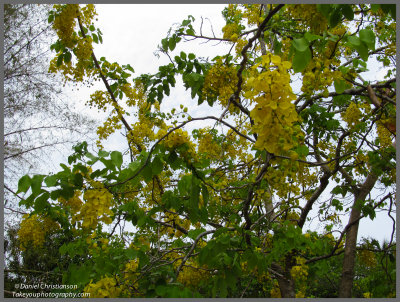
(92, 28)
(362, 51)
(41, 202)
(67, 57)
(347, 11)
(191, 56)
(50, 181)
(183, 55)
(324, 9)
(340, 85)
(24, 183)
(190, 32)
(206, 195)
(355, 41)
(302, 150)
(157, 166)
(95, 38)
(164, 43)
(147, 173)
(375, 7)
(301, 59)
(311, 37)
(172, 43)
(60, 60)
(50, 18)
(36, 184)
(300, 44)
(389, 8)
(335, 17)
(194, 233)
(368, 37)
(116, 158)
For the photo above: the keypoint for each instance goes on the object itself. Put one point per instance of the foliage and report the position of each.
(33, 98)
(224, 211)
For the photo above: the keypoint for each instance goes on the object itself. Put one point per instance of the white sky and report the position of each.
(131, 34)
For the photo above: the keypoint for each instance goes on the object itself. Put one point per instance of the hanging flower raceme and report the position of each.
(274, 114)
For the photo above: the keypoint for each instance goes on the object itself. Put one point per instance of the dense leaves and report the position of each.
(227, 210)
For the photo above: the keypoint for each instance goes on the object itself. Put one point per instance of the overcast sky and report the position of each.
(131, 34)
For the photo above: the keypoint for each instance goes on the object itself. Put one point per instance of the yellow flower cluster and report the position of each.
(299, 273)
(252, 13)
(309, 17)
(191, 277)
(33, 230)
(274, 114)
(385, 137)
(84, 48)
(176, 139)
(106, 287)
(96, 207)
(275, 291)
(352, 115)
(367, 258)
(110, 125)
(207, 146)
(74, 203)
(99, 99)
(231, 31)
(65, 22)
(220, 82)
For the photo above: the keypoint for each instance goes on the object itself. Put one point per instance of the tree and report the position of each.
(37, 117)
(225, 211)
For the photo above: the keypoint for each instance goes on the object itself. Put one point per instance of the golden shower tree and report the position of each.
(226, 210)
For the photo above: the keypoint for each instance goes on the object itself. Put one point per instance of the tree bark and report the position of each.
(346, 282)
(285, 280)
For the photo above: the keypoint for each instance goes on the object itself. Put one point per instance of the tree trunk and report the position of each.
(285, 280)
(346, 283)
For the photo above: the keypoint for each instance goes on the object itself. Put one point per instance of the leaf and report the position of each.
(389, 8)
(324, 9)
(147, 173)
(157, 166)
(191, 56)
(67, 57)
(362, 51)
(183, 55)
(24, 183)
(347, 11)
(300, 44)
(194, 233)
(375, 7)
(36, 184)
(116, 158)
(301, 59)
(302, 150)
(311, 37)
(335, 17)
(50, 18)
(95, 38)
(92, 28)
(172, 43)
(41, 202)
(50, 181)
(164, 43)
(190, 32)
(60, 60)
(368, 37)
(205, 194)
(340, 85)
(355, 41)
